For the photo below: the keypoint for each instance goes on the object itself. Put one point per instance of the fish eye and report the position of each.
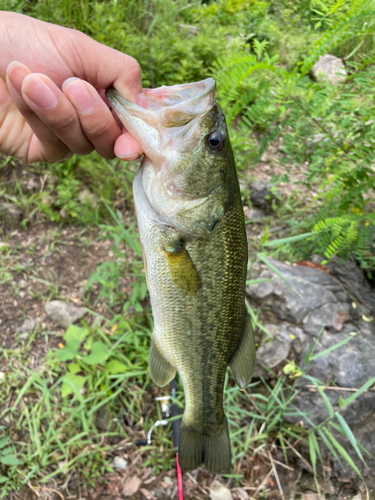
(215, 141)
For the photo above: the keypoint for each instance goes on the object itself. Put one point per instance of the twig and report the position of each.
(194, 481)
(276, 475)
(33, 489)
(299, 455)
(332, 388)
(262, 483)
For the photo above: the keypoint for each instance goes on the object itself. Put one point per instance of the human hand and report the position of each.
(52, 80)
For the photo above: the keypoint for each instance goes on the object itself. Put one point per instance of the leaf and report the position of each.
(342, 452)
(360, 391)
(115, 366)
(9, 460)
(75, 334)
(312, 448)
(72, 384)
(3, 479)
(4, 441)
(332, 348)
(290, 239)
(99, 353)
(264, 239)
(74, 368)
(349, 434)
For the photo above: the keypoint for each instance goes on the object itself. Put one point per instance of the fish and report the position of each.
(192, 230)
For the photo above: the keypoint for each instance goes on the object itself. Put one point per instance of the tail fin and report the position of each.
(212, 451)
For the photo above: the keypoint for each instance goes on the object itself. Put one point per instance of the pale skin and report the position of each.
(52, 83)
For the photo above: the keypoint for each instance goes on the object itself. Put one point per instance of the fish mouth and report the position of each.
(169, 115)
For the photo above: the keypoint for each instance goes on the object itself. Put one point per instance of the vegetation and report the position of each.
(261, 54)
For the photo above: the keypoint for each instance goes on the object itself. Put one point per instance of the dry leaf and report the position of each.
(147, 494)
(131, 486)
(339, 319)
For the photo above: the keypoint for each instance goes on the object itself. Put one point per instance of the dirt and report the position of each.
(51, 263)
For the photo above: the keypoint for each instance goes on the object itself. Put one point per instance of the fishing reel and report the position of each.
(168, 410)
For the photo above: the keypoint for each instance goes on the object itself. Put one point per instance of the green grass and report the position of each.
(69, 413)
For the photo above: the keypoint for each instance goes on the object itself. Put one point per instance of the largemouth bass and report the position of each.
(192, 231)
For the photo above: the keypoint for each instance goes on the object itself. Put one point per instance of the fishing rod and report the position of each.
(170, 412)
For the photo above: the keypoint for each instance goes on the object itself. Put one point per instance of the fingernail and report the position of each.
(79, 95)
(129, 157)
(16, 73)
(39, 92)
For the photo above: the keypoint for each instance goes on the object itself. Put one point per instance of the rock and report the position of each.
(304, 290)
(272, 354)
(312, 496)
(253, 214)
(329, 69)
(262, 195)
(64, 313)
(131, 486)
(219, 491)
(323, 302)
(28, 325)
(350, 365)
(168, 480)
(329, 315)
(120, 463)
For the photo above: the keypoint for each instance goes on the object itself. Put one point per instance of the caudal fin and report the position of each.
(211, 451)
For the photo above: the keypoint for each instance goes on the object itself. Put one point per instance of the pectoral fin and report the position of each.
(161, 371)
(242, 363)
(182, 271)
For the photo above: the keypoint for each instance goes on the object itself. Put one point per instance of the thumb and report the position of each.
(103, 66)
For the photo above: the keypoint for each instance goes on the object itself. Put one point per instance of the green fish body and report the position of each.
(192, 230)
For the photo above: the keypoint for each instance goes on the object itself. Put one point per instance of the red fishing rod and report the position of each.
(169, 411)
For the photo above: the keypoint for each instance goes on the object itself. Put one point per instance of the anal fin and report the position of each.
(161, 371)
(242, 363)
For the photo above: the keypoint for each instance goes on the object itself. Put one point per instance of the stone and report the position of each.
(28, 325)
(262, 195)
(253, 214)
(120, 463)
(131, 486)
(64, 313)
(272, 354)
(324, 302)
(330, 315)
(329, 69)
(350, 365)
(219, 492)
(303, 289)
(311, 496)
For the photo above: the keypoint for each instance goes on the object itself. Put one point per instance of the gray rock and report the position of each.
(306, 289)
(120, 463)
(329, 69)
(64, 313)
(28, 325)
(262, 195)
(273, 353)
(350, 365)
(254, 214)
(331, 315)
(219, 492)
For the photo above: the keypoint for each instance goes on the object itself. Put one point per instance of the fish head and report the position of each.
(188, 158)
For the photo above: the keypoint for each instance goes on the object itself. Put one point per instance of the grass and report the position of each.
(67, 413)
(69, 405)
